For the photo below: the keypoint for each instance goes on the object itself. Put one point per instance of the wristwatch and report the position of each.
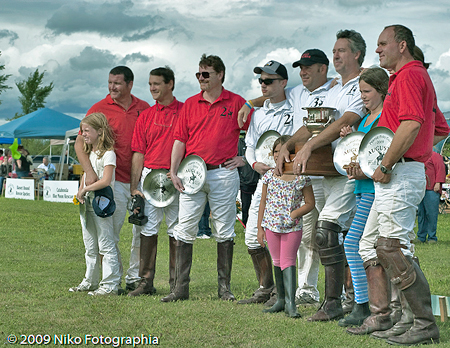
(384, 170)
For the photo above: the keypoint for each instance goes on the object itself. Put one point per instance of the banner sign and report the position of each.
(60, 191)
(20, 188)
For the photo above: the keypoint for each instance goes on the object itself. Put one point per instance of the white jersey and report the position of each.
(301, 97)
(345, 99)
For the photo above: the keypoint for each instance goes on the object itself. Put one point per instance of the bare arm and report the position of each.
(327, 136)
(403, 139)
(83, 157)
(310, 202)
(438, 138)
(99, 184)
(137, 163)
(261, 236)
(178, 151)
(245, 110)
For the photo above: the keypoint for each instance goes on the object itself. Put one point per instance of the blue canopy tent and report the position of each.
(44, 123)
(9, 141)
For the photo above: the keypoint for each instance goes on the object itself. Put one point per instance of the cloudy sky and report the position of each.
(77, 42)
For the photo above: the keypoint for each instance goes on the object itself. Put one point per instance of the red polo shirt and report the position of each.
(411, 96)
(153, 134)
(122, 123)
(211, 131)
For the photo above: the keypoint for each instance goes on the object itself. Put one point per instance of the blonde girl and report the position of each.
(101, 251)
(280, 223)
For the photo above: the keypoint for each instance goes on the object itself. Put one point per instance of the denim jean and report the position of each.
(428, 216)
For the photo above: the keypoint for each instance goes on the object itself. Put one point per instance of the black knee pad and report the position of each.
(333, 255)
(327, 234)
(398, 267)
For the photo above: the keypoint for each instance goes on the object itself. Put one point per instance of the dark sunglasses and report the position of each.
(204, 74)
(267, 81)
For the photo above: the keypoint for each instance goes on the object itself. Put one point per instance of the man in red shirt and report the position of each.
(410, 111)
(208, 127)
(152, 146)
(122, 109)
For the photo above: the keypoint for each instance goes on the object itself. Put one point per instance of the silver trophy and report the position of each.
(318, 119)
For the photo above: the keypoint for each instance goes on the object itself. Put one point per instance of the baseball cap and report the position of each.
(310, 57)
(103, 203)
(272, 67)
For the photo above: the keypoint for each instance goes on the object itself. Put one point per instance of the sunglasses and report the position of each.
(204, 74)
(267, 81)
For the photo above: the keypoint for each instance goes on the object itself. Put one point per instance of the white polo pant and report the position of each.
(220, 190)
(251, 229)
(397, 201)
(308, 254)
(98, 238)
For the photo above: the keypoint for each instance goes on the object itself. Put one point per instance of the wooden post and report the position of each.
(443, 308)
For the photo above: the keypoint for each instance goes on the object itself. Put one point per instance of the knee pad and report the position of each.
(331, 256)
(399, 268)
(327, 234)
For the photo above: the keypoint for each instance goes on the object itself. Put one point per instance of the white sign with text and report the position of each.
(60, 191)
(20, 188)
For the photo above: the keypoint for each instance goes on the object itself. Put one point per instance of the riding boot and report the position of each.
(349, 301)
(147, 263)
(409, 278)
(395, 305)
(332, 257)
(224, 264)
(290, 286)
(262, 264)
(280, 303)
(379, 298)
(403, 325)
(182, 270)
(359, 313)
(172, 262)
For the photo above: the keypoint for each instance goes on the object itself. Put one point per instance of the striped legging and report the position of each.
(351, 245)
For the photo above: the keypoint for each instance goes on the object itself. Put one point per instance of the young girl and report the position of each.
(101, 251)
(280, 223)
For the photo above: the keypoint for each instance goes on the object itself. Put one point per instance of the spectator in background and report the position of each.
(429, 207)
(48, 167)
(23, 164)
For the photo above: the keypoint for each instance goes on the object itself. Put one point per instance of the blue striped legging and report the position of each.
(351, 245)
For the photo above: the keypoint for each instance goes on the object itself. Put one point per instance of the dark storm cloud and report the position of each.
(136, 57)
(91, 58)
(108, 19)
(8, 34)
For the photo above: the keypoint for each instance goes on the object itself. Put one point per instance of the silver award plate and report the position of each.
(346, 151)
(158, 188)
(192, 173)
(264, 147)
(373, 148)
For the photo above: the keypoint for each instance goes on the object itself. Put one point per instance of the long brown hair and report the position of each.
(105, 142)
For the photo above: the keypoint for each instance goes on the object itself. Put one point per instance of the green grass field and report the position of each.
(42, 255)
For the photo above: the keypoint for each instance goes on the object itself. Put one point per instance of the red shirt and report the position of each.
(211, 131)
(411, 96)
(153, 134)
(435, 171)
(122, 123)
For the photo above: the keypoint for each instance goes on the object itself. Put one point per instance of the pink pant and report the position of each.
(283, 247)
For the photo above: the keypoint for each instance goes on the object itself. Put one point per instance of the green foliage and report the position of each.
(33, 95)
(42, 255)
(3, 79)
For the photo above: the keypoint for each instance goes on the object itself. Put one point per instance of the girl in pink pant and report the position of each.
(280, 223)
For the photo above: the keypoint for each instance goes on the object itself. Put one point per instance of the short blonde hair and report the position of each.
(98, 121)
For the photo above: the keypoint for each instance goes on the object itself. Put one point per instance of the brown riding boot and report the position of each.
(224, 264)
(182, 269)
(349, 301)
(379, 298)
(395, 305)
(409, 278)
(172, 262)
(147, 264)
(262, 263)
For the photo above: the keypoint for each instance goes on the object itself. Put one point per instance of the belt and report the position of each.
(215, 166)
(405, 159)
